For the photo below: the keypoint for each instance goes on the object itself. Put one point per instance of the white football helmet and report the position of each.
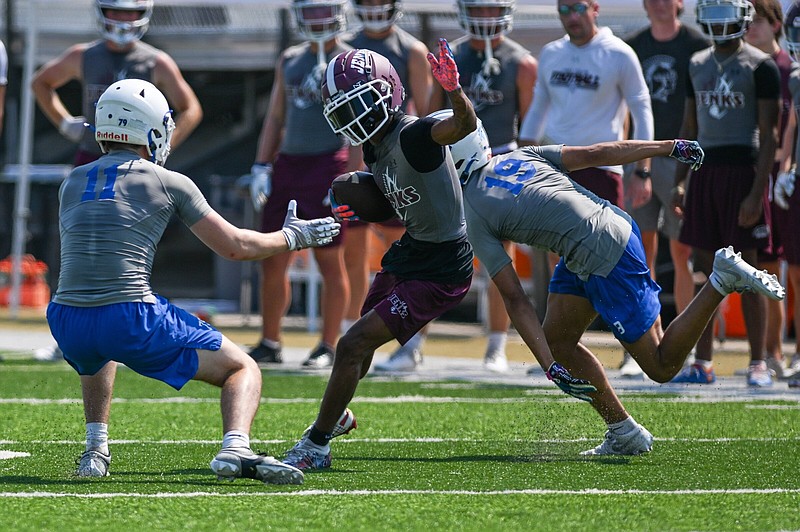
(470, 153)
(133, 111)
(791, 28)
(319, 20)
(380, 17)
(730, 18)
(119, 32)
(480, 27)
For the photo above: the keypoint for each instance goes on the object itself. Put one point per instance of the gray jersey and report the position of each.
(494, 96)
(418, 177)
(726, 98)
(305, 130)
(525, 197)
(101, 68)
(396, 48)
(112, 214)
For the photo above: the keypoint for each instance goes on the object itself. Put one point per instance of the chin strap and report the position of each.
(491, 66)
(322, 61)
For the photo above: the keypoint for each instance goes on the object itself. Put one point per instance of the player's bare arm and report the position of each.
(272, 130)
(527, 72)
(168, 78)
(688, 131)
(420, 79)
(464, 120)
(751, 208)
(628, 151)
(53, 75)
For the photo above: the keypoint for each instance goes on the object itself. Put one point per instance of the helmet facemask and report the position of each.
(378, 18)
(480, 27)
(361, 112)
(730, 18)
(791, 29)
(320, 20)
(123, 32)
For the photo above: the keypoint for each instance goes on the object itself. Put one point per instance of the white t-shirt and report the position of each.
(583, 94)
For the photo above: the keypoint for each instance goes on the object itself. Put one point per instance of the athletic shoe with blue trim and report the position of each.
(759, 375)
(306, 455)
(695, 374)
(241, 462)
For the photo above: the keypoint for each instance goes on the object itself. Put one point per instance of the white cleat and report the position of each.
(235, 462)
(732, 274)
(404, 359)
(93, 464)
(346, 423)
(495, 361)
(637, 441)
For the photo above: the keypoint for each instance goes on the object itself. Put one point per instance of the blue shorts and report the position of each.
(155, 340)
(627, 299)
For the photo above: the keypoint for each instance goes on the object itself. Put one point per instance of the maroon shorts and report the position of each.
(777, 219)
(405, 306)
(604, 183)
(307, 179)
(712, 208)
(789, 222)
(85, 157)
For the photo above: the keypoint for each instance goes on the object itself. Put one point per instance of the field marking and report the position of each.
(5, 455)
(316, 493)
(403, 440)
(734, 397)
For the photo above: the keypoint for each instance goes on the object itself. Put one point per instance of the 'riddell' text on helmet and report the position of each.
(133, 111)
(486, 19)
(128, 31)
(470, 153)
(724, 20)
(360, 90)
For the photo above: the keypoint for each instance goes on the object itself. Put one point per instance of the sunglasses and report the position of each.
(579, 8)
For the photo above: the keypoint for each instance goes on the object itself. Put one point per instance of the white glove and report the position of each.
(72, 127)
(784, 187)
(260, 184)
(307, 233)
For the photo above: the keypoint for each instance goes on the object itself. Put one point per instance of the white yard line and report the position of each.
(361, 493)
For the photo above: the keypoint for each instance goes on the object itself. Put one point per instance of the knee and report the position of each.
(352, 348)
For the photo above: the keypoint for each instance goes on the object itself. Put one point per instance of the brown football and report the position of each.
(359, 191)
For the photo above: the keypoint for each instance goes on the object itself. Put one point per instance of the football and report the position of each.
(359, 191)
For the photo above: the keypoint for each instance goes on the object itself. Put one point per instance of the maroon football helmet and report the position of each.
(360, 90)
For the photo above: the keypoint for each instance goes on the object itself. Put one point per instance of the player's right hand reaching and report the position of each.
(578, 388)
(308, 233)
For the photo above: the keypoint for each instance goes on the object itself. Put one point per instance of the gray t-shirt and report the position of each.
(419, 179)
(524, 196)
(102, 68)
(726, 95)
(112, 214)
(794, 89)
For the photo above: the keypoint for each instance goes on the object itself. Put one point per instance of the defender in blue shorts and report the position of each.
(526, 196)
(112, 215)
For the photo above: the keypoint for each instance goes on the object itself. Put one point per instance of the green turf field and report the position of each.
(427, 455)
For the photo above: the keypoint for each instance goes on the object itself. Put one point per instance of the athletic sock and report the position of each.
(319, 438)
(272, 344)
(97, 437)
(235, 438)
(497, 342)
(623, 427)
(415, 342)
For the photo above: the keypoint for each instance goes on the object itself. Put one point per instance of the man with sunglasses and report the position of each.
(587, 82)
